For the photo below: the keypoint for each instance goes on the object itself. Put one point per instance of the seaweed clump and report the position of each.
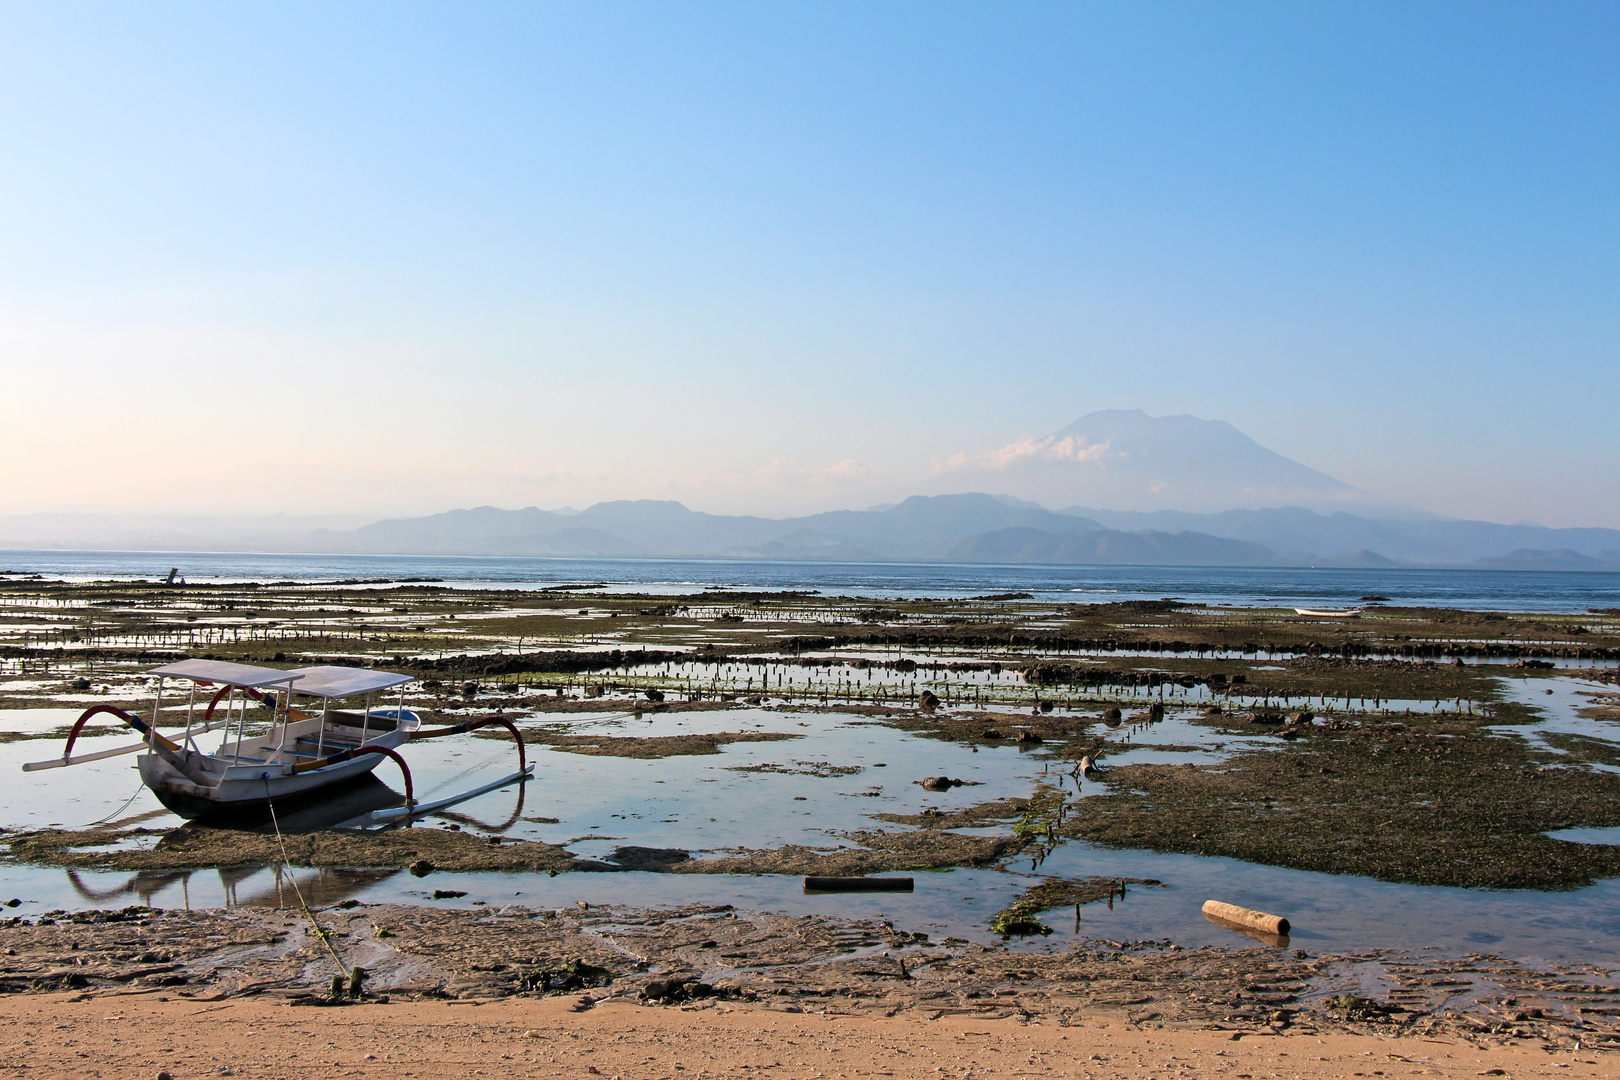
(1022, 917)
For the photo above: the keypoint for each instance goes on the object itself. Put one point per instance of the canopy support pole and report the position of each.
(191, 704)
(157, 708)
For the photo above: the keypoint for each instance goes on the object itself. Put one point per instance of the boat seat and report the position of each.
(330, 740)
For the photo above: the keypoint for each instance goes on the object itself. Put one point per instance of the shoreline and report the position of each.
(784, 965)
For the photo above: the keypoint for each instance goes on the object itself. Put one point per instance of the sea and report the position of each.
(1490, 590)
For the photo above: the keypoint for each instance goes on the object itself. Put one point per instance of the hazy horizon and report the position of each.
(379, 261)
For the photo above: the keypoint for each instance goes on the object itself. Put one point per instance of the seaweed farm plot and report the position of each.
(1567, 721)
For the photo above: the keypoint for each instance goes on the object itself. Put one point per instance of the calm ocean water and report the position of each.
(1486, 589)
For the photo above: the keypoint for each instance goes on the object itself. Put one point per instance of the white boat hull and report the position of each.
(243, 778)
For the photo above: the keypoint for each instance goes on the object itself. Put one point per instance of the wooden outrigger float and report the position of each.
(299, 753)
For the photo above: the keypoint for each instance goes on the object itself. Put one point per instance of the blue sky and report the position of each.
(396, 258)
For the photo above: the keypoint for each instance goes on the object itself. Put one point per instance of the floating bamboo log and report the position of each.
(1242, 916)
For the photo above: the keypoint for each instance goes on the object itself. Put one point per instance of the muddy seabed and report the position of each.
(1430, 795)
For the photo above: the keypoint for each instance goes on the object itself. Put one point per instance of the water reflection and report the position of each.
(1273, 941)
(268, 886)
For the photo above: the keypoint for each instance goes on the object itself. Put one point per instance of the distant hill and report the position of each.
(642, 527)
(1561, 559)
(1363, 558)
(1304, 536)
(918, 528)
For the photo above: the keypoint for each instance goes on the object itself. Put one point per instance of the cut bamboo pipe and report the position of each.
(1242, 916)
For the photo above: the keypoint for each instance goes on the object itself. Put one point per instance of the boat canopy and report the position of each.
(225, 673)
(337, 682)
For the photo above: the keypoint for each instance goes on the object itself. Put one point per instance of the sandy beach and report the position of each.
(142, 1035)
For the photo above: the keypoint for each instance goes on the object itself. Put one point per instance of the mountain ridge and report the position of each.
(969, 526)
(981, 527)
(1217, 471)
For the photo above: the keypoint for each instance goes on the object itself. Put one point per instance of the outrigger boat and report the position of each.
(299, 753)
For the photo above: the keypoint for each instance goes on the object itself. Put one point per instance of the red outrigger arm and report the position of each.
(349, 755)
(214, 701)
(473, 725)
(256, 695)
(129, 718)
(411, 810)
(165, 748)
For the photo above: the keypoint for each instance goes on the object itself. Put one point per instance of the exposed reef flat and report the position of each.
(1407, 744)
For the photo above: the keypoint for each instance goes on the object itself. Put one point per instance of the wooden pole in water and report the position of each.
(857, 884)
(1258, 920)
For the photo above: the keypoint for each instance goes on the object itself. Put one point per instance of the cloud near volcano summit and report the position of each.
(1071, 448)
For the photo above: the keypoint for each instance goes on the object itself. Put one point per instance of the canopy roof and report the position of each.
(336, 682)
(225, 672)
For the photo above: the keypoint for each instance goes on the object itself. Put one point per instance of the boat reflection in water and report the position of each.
(272, 887)
(348, 808)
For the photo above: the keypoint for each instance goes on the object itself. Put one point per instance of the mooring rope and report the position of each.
(302, 905)
(102, 821)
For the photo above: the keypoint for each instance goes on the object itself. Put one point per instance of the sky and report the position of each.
(394, 258)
